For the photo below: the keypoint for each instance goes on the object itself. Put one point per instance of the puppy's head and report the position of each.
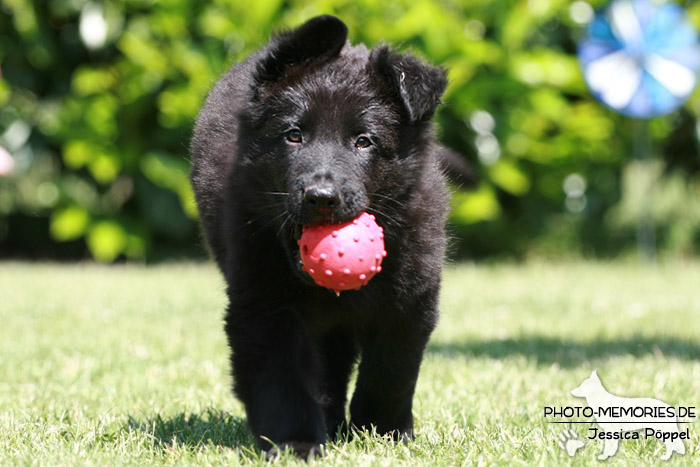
(337, 128)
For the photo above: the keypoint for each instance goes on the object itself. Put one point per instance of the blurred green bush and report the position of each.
(97, 103)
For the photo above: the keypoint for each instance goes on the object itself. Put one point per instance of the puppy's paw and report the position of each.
(405, 436)
(302, 450)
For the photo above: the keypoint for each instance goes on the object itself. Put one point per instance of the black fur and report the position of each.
(295, 344)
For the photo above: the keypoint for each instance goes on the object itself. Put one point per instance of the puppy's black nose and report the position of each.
(322, 198)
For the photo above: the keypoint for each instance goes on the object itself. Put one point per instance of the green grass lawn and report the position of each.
(129, 365)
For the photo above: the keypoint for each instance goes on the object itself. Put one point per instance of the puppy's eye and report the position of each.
(363, 142)
(293, 136)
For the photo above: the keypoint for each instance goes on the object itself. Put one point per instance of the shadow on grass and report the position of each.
(194, 431)
(548, 350)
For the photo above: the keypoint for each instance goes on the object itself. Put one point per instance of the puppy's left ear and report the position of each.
(417, 85)
(320, 38)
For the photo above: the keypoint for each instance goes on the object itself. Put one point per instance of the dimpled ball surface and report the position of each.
(343, 256)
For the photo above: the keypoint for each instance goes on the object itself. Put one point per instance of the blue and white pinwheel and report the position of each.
(641, 59)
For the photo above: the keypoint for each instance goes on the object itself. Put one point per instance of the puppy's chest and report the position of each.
(350, 311)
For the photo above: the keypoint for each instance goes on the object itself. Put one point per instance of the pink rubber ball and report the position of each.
(343, 256)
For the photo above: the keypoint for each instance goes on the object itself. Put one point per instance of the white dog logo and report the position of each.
(622, 417)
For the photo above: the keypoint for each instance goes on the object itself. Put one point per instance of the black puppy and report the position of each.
(313, 130)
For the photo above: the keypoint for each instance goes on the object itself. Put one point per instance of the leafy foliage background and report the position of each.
(100, 135)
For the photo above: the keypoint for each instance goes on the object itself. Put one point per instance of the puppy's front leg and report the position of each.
(275, 371)
(338, 353)
(387, 378)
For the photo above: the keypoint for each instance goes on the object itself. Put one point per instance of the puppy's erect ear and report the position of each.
(417, 85)
(320, 38)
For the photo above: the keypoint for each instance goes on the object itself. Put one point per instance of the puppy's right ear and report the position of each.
(320, 38)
